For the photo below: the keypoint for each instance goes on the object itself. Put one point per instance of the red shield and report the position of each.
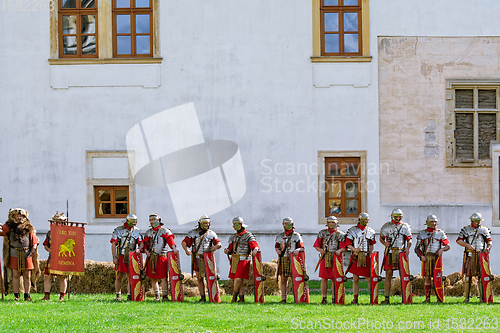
(374, 278)
(404, 274)
(174, 271)
(211, 275)
(484, 261)
(338, 280)
(135, 268)
(258, 278)
(300, 285)
(438, 278)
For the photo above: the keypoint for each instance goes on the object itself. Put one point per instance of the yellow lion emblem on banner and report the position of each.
(68, 247)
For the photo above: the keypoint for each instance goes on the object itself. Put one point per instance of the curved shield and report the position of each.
(135, 268)
(374, 278)
(211, 275)
(438, 278)
(174, 272)
(258, 277)
(404, 274)
(338, 278)
(299, 276)
(484, 261)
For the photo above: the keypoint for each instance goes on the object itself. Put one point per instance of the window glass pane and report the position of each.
(68, 3)
(334, 169)
(104, 195)
(331, 43)
(104, 208)
(331, 2)
(335, 190)
(88, 24)
(142, 3)
(487, 99)
(331, 22)
(69, 24)
(351, 43)
(88, 44)
(69, 45)
(123, 3)
(87, 4)
(464, 99)
(487, 132)
(121, 195)
(352, 206)
(350, 2)
(351, 190)
(350, 21)
(464, 135)
(123, 24)
(351, 168)
(142, 44)
(334, 207)
(121, 208)
(123, 45)
(142, 24)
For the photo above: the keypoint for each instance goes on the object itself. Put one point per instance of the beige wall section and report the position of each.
(412, 95)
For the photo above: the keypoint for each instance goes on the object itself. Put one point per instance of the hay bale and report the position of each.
(496, 285)
(271, 286)
(417, 285)
(456, 290)
(453, 278)
(396, 286)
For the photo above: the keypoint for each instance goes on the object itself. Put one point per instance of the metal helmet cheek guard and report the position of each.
(476, 217)
(332, 219)
(431, 218)
(239, 219)
(363, 219)
(396, 212)
(288, 221)
(157, 220)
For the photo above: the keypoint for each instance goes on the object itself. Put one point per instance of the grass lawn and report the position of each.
(99, 313)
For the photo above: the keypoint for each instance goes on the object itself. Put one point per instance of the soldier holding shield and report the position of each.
(328, 242)
(360, 240)
(395, 235)
(201, 240)
(125, 239)
(431, 243)
(475, 238)
(287, 242)
(242, 245)
(157, 241)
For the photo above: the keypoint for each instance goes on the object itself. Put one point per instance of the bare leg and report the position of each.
(46, 283)
(164, 288)
(324, 287)
(27, 281)
(201, 287)
(283, 283)
(16, 280)
(118, 282)
(63, 284)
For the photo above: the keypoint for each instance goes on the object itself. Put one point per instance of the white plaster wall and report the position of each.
(246, 67)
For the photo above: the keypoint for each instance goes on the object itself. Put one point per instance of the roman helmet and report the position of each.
(239, 219)
(332, 219)
(130, 219)
(288, 221)
(476, 217)
(363, 219)
(431, 218)
(397, 212)
(156, 220)
(202, 222)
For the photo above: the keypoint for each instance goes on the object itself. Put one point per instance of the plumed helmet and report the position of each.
(239, 219)
(476, 217)
(431, 218)
(16, 211)
(131, 217)
(59, 217)
(332, 219)
(397, 212)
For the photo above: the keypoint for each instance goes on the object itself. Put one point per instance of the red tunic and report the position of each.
(13, 260)
(326, 272)
(162, 262)
(243, 270)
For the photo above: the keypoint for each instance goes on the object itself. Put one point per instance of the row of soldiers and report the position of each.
(20, 251)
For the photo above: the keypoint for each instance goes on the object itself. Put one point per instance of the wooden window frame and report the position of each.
(78, 12)
(451, 126)
(112, 201)
(343, 179)
(133, 11)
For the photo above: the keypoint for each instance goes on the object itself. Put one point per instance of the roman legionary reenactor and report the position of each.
(360, 240)
(476, 238)
(328, 242)
(20, 251)
(201, 240)
(395, 235)
(287, 242)
(242, 245)
(157, 241)
(431, 243)
(125, 239)
(47, 276)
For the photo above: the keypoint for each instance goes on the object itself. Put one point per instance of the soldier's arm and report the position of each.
(461, 242)
(489, 244)
(184, 246)
(113, 252)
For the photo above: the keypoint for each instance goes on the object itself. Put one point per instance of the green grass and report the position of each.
(99, 313)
